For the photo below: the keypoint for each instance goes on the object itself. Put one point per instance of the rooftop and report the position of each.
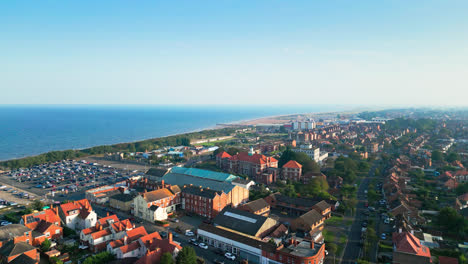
(205, 174)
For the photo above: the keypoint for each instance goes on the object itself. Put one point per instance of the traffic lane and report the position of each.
(209, 254)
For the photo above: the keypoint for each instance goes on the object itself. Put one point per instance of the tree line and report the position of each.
(139, 146)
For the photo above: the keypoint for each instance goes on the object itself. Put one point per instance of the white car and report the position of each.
(326, 252)
(5, 223)
(189, 233)
(230, 256)
(203, 245)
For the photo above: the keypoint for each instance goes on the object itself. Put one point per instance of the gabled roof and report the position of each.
(130, 247)
(136, 233)
(322, 205)
(240, 221)
(48, 215)
(150, 257)
(157, 195)
(76, 205)
(148, 239)
(408, 243)
(254, 158)
(223, 155)
(122, 225)
(23, 259)
(106, 219)
(256, 205)
(101, 233)
(311, 218)
(10, 231)
(292, 164)
(11, 249)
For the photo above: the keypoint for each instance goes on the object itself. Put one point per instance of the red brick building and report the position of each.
(202, 201)
(247, 163)
(297, 251)
(45, 224)
(292, 170)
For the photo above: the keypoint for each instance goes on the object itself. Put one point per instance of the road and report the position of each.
(353, 248)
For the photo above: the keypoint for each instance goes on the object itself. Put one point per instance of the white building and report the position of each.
(78, 215)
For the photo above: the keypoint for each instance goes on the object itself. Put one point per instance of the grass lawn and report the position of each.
(329, 236)
(385, 248)
(334, 220)
(343, 239)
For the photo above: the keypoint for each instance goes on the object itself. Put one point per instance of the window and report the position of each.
(57, 231)
(27, 241)
(47, 234)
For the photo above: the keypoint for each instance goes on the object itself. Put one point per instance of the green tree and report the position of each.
(449, 219)
(332, 248)
(437, 156)
(452, 156)
(186, 256)
(37, 205)
(99, 258)
(166, 258)
(45, 246)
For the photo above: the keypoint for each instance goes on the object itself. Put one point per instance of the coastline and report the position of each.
(277, 119)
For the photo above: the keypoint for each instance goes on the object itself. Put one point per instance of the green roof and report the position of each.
(205, 174)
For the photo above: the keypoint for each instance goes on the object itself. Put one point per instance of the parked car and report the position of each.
(383, 236)
(230, 256)
(203, 245)
(189, 233)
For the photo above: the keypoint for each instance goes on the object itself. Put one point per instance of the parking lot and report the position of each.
(66, 179)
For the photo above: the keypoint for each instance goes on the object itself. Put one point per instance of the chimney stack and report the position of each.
(312, 244)
(108, 214)
(162, 183)
(169, 236)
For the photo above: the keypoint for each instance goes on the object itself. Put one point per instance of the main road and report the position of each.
(353, 248)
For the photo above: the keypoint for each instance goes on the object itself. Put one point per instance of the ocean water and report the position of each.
(31, 130)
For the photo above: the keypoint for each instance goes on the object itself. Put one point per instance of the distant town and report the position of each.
(388, 186)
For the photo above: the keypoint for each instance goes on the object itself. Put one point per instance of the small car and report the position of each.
(189, 233)
(383, 236)
(230, 256)
(203, 245)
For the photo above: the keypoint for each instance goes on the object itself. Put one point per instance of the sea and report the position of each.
(31, 130)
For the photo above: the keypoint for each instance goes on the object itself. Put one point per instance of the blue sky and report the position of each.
(234, 52)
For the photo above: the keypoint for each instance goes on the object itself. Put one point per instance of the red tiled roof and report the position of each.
(292, 164)
(148, 239)
(136, 233)
(111, 217)
(255, 158)
(76, 205)
(130, 247)
(408, 243)
(223, 155)
(150, 257)
(122, 225)
(102, 233)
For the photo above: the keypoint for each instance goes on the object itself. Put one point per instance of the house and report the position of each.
(15, 232)
(203, 201)
(98, 237)
(149, 247)
(323, 208)
(18, 253)
(131, 236)
(258, 207)
(292, 170)
(311, 223)
(218, 181)
(156, 205)
(121, 201)
(44, 225)
(77, 215)
(247, 163)
(407, 249)
(299, 205)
